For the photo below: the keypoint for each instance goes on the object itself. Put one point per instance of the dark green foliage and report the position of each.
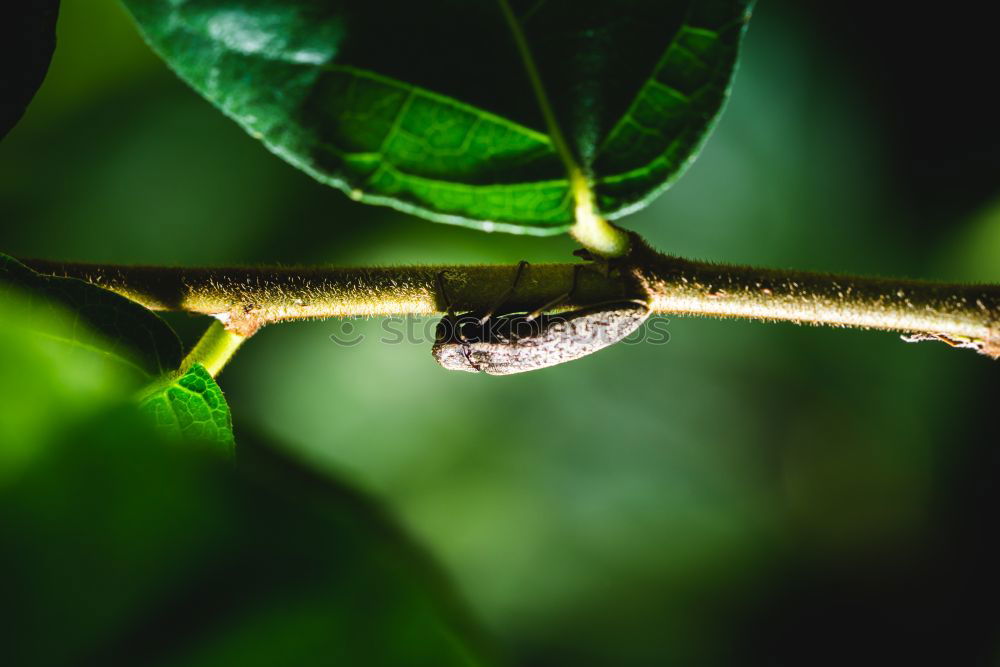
(744, 495)
(125, 542)
(117, 548)
(28, 34)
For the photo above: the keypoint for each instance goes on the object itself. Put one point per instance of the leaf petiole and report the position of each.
(214, 350)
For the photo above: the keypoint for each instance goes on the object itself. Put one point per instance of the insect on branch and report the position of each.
(248, 297)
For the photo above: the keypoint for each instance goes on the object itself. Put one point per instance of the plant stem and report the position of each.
(214, 350)
(246, 298)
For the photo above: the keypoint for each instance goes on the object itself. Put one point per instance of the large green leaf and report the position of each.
(426, 106)
(28, 35)
(110, 323)
(190, 405)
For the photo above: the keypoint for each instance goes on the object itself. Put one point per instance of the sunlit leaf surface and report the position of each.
(191, 406)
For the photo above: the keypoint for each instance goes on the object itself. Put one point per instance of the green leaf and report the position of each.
(53, 371)
(427, 107)
(111, 323)
(190, 406)
(28, 33)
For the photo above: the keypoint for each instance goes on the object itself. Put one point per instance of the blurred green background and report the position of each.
(747, 493)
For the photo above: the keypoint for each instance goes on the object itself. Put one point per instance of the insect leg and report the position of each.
(451, 320)
(444, 295)
(559, 299)
(505, 296)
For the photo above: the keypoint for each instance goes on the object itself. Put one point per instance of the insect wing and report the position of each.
(556, 339)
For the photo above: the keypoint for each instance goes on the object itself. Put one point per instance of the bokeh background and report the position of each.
(747, 493)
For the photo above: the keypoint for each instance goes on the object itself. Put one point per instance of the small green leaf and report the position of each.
(117, 326)
(190, 407)
(28, 33)
(427, 107)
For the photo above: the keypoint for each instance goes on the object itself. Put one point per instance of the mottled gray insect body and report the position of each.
(517, 343)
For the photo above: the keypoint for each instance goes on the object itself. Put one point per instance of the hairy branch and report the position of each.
(247, 298)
